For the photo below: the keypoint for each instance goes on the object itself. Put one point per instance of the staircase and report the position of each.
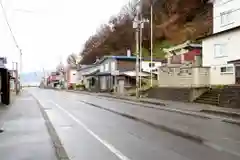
(210, 97)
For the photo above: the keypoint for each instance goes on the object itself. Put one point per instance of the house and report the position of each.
(221, 49)
(86, 75)
(148, 66)
(71, 76)
(110, 71)
(13, 79)
(54, 79)
(120, 70)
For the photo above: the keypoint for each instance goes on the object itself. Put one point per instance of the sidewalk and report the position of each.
(24, 135)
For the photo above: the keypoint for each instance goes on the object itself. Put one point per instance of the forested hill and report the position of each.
(174, 22)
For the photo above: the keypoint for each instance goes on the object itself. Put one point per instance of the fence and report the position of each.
(183, 77)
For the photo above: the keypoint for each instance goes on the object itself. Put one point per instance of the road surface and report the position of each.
(91, 133)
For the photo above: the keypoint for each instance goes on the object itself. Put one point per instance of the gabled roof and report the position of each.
(125, 58)
(128, 58)
(218, 33)
(186, 44)
(237, 61)
(93, 73)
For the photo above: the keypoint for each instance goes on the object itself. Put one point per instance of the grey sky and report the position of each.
(49, 30)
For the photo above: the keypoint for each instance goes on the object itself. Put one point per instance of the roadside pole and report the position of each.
(15, 69)
(140, 50)
(136, 26)
(151, 42)
(20, 69)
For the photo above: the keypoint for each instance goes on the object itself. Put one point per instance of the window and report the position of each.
(113, 66)
(151, 64)
(226, 69)
(101, 68)
(220, 50)
(107, 67)
(226, 18)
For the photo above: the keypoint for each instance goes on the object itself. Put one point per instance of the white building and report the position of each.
(223, 45)
(147, 66)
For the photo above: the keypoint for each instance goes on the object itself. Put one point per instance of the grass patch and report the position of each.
(157, 49)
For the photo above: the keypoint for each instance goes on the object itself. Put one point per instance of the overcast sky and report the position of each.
(48, 30)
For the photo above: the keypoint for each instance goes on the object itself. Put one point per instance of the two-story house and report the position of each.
(112, 67)
(107, 71)
(221, 49)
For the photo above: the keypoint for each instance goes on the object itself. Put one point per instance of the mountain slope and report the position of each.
(175, 21)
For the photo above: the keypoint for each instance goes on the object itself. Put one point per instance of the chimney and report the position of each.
(97, 59)
(128, 52)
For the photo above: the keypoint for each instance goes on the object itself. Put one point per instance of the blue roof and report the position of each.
(122, 57)
(131, 58)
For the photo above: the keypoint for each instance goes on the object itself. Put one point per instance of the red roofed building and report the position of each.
(190, 56)
(182, 53)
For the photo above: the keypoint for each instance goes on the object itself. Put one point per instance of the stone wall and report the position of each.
(175, 94)
(230, 97)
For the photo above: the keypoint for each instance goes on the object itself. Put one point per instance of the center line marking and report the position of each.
(105, 143)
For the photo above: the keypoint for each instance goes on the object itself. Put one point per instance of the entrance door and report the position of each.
(121, 86)
(237, 74)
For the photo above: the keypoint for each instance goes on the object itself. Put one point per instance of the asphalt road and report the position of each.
(90, 133)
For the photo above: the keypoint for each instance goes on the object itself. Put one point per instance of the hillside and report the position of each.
(174, 22)
(32, 77)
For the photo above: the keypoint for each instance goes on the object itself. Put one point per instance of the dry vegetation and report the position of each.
(174, 21)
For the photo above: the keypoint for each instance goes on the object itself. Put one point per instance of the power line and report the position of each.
(9, 27)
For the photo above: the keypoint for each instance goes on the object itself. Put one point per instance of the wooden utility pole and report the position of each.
(16, 76)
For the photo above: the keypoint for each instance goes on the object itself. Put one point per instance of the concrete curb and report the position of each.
(59, 149)
(194, 114)
(188, 113)
(135, 100)
(174, 131)
(226, 113)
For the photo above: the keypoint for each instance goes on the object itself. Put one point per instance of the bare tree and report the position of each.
(72, 60)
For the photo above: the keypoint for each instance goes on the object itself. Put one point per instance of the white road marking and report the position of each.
(105, 143)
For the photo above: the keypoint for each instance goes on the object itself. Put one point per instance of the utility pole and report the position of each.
(137, 60)
(44, 78)
(151, 17)
(140, 59)
(15, 69)
(20, 69)
(138, 24)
